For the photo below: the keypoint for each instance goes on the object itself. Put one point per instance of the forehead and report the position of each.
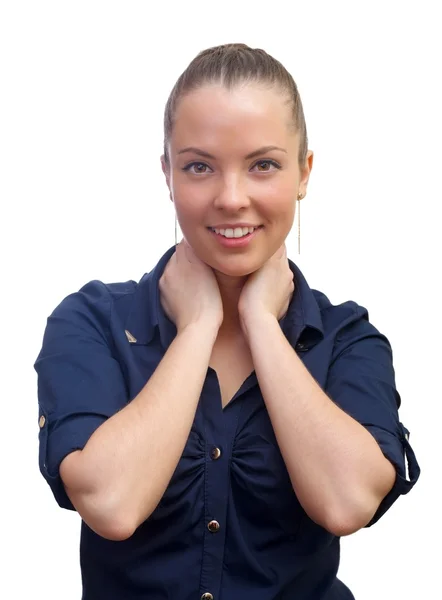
(213, 114)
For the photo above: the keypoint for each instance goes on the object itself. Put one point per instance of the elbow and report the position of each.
(344, 521)
(343, 526)
(106, 519)
(105, 510)
(112, 530)
(357, 512)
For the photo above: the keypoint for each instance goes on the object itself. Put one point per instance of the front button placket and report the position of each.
(219, 432)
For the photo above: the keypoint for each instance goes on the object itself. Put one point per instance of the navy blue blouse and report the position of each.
(229, 525)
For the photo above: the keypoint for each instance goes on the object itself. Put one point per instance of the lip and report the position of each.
(232, 225)
(235, 242)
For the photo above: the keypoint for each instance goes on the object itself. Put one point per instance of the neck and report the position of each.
(230, 289)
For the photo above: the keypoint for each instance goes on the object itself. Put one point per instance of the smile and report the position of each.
(237, 232)
(238, 237)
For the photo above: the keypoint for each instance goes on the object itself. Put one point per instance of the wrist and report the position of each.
(207, 328)
(254, 321)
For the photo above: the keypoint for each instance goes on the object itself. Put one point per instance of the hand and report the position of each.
(189, 291)
(268, 290)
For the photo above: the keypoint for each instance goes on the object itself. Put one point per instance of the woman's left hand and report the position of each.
(268, 290)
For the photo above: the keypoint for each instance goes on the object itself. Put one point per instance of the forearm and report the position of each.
(336, 467)
(125, 467)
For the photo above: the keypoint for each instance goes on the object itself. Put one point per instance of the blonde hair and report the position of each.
(231, 65)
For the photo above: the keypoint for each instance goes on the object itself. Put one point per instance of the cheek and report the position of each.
(281, 184)
(277, 198)
(189, 196)
(188, 210)
(188, 200)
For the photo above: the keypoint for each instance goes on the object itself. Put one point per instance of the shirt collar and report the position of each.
(146, 313)
(302, 323)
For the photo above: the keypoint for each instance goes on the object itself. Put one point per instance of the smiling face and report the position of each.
(233, 164)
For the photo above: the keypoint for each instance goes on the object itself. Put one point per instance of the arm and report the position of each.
(337, 469)
(119, 477)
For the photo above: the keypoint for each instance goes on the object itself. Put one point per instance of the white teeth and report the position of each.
(235, 233)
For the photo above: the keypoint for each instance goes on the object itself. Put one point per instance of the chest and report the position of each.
(233, 364)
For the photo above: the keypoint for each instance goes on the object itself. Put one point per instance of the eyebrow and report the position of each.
(258, 152)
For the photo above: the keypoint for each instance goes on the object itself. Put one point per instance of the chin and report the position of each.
(236, 266)
(237, 273)
(233, 263)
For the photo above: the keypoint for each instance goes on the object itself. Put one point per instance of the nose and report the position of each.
(231, 195)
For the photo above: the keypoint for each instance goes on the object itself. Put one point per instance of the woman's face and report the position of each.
(234, 164)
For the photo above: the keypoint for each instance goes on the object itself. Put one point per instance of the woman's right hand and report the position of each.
(189, 291)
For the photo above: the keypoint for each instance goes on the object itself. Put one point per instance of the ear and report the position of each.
(166, 170)
(305, 173)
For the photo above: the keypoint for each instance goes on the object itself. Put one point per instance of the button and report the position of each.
(207, 596)
(213, 526)
(301, 347)
(41, 422)
(215, 453)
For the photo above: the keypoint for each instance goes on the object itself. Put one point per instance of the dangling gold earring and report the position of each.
(300, 197)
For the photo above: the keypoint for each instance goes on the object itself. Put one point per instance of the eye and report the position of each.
(200, 168)
(264, 166)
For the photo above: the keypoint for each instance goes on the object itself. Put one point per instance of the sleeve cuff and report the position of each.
(70, 434)
(399, 452)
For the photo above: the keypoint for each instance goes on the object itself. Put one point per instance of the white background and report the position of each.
(82, 197)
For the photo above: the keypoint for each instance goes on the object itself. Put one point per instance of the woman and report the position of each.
(219, 425)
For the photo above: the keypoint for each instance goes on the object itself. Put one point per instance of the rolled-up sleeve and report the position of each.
(80, 384)
(361, 381)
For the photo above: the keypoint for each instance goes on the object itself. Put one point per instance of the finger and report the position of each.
(281, 252)
(188, 252)
(180, 251)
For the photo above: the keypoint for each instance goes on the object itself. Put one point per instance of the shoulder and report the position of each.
(94, 304)
(97, 295)
(87, 321)
(108, 292)
(312, 307)
(339, 312)
(347, 321)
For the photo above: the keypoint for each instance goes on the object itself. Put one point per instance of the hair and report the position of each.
(231, 65)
